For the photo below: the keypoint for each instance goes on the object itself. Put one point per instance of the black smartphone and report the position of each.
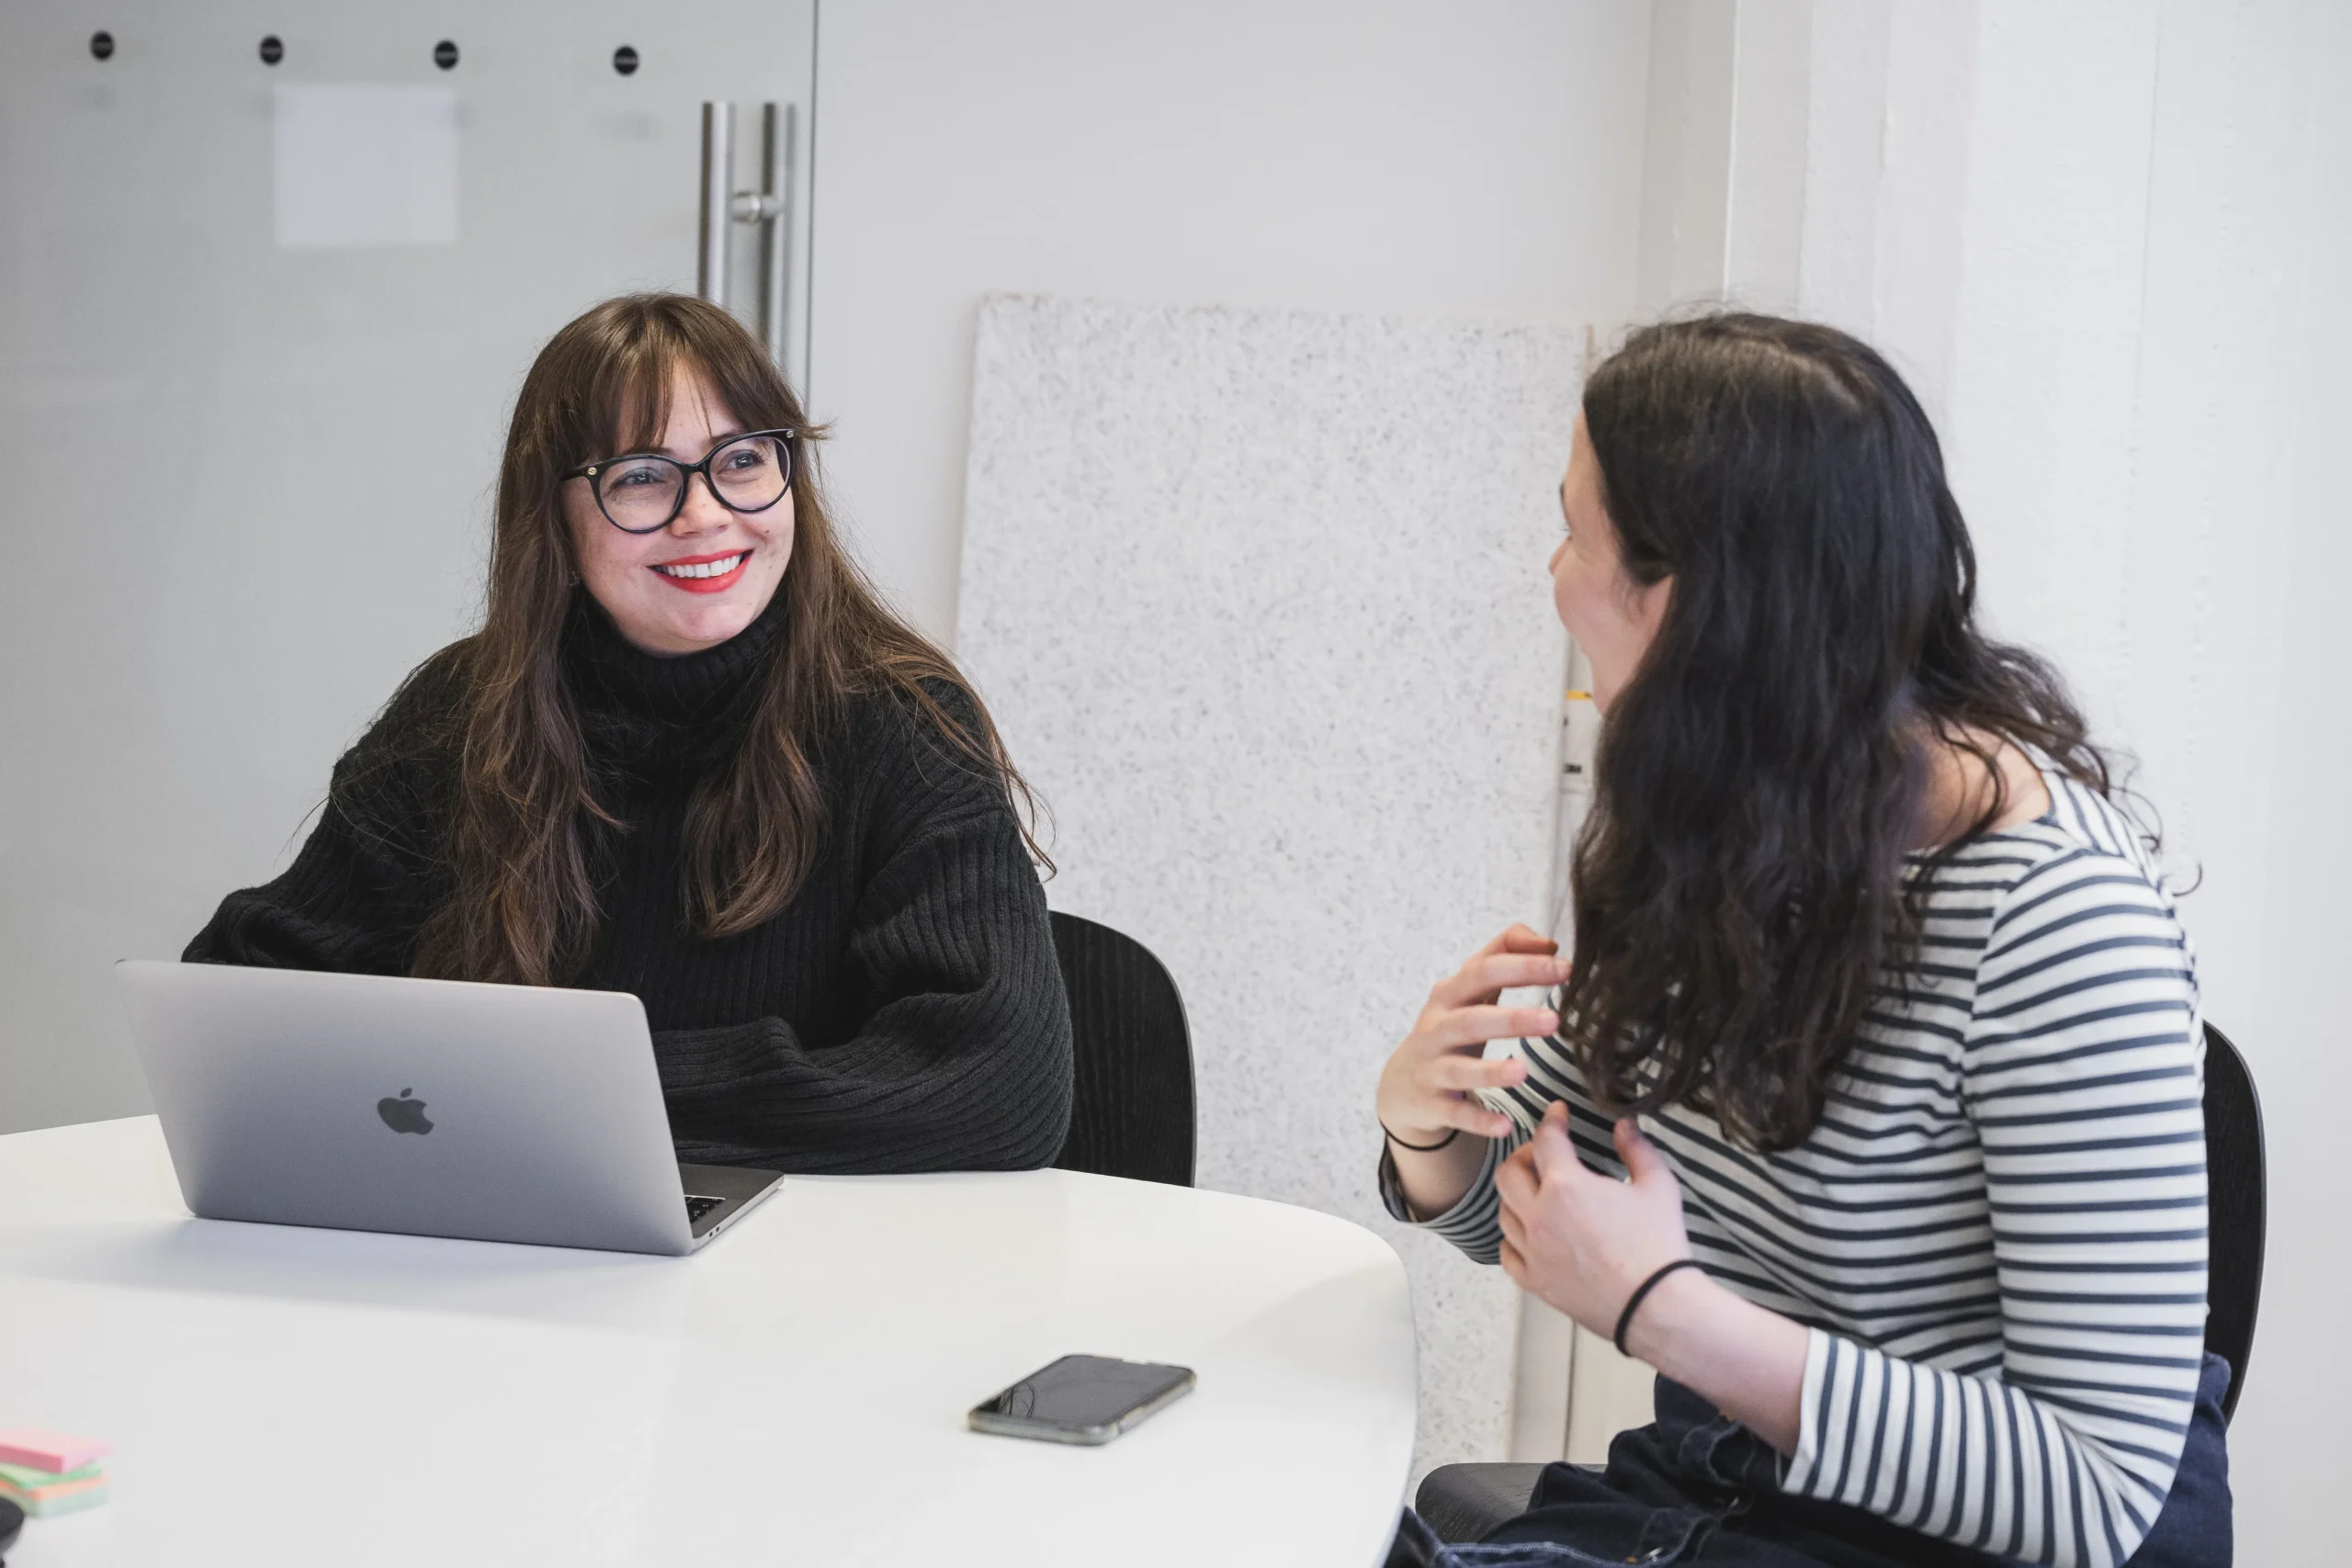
(1082, 1399)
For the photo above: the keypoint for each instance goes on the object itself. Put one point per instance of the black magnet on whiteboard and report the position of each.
(272, 50)
(625, 60)
(102, 44)
(444, 55)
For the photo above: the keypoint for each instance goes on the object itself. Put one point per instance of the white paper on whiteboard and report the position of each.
(365, 164)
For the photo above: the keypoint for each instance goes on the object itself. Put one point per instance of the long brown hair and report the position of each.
(1742, 890)
(524, 814)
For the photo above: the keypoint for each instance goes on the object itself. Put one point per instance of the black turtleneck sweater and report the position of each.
(904, 1012)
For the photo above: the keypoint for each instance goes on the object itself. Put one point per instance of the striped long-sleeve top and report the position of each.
(1996, 1231)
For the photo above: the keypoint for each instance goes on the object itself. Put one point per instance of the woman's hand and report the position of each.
(1582, 1241)
(1424, 1096)
(1424, 1088)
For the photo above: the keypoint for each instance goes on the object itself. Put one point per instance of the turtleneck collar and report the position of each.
(660, 716)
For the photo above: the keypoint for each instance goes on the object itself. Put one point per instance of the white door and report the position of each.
(270, 274)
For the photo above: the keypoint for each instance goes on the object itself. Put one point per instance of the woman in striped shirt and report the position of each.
(1869, 1111)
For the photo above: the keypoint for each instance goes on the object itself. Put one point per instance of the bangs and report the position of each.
(625, 406)
(623, 402)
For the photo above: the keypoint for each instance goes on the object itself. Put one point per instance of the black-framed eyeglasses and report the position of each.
(644, 492)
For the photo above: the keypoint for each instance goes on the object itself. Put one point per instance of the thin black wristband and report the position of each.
(1625, 1318)
(1452, 1133)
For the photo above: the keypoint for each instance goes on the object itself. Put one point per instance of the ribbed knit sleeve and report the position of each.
(370, 873)
(2082, 1074)
(962, 1061)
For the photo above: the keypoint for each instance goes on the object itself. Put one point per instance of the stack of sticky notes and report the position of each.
(51, 1472)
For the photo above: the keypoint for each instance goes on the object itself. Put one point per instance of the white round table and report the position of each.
(795, 1393)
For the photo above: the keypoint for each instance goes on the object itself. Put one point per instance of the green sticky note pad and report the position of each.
(24, 1476)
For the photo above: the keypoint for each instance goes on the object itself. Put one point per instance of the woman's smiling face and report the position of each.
(706, 575)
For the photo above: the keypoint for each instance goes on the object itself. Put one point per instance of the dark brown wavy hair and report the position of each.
(524, 817)
(1740, 891)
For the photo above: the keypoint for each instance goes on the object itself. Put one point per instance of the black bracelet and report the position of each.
(1625, 1318)
(1452, 1133)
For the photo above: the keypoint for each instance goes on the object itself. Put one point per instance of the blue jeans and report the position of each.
(1694, 1486)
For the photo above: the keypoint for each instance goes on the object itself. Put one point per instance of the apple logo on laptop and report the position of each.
(403, 1115)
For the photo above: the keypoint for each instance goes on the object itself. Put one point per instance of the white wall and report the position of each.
(2104, 240)
(2273, 505)
(1476, 159)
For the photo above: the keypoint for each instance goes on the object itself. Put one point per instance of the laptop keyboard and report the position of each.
(697, 1206)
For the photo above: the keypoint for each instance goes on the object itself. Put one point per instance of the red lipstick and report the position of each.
(719, 584)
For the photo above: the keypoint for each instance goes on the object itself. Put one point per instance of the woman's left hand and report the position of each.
(1580, 1240)
(1585, 1241)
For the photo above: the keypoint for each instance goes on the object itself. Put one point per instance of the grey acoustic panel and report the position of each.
(1259, 601)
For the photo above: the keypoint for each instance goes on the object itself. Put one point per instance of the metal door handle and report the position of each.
(778, 124)
(770, 207)
(717, 180)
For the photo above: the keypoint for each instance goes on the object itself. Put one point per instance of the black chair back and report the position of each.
(1133, 1113)
(2234, 1208)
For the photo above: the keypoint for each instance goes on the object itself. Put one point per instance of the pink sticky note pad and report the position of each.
(54, 1452)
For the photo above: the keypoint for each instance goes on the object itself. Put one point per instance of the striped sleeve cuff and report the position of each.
(1901, 1441)
(1957, 1457)
(1802, 1470)
(1475, 1223)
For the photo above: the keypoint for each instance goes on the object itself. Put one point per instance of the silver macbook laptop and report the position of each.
(426, 1107)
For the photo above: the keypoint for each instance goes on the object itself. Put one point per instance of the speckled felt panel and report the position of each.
(1259, 601)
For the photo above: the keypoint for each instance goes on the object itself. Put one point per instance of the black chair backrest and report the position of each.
(1132, 1115)
(2235, 1208)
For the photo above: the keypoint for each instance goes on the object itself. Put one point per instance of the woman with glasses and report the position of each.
(1867, 1109)
(691, 755)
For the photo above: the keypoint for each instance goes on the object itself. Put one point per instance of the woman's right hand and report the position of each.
(1424, 1089)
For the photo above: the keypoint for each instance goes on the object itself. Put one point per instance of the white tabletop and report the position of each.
(793, 1393)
